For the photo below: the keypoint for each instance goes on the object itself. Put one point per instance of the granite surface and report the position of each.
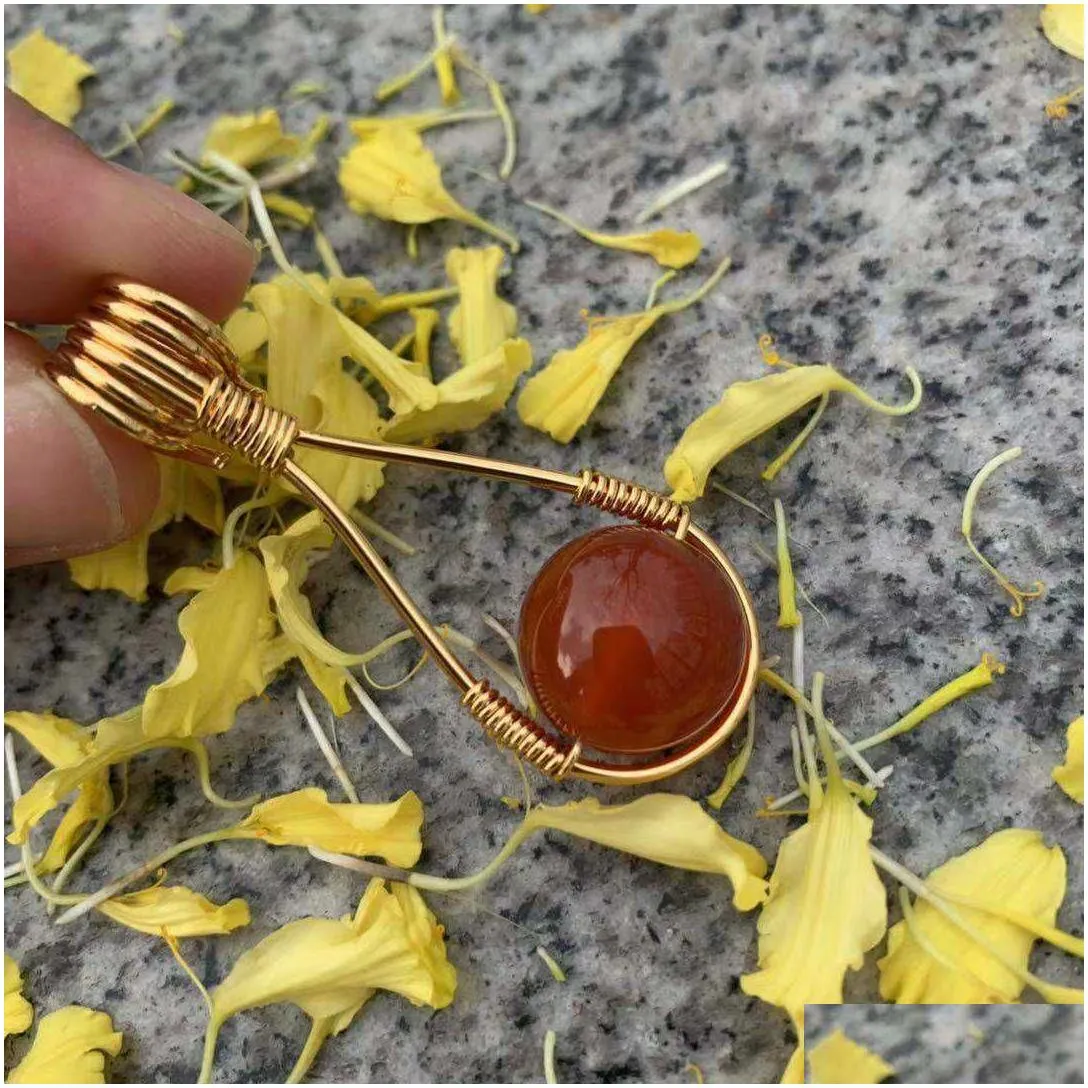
(962, 1044)
(896, 195)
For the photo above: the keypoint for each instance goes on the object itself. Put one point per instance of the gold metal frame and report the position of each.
(167, 376)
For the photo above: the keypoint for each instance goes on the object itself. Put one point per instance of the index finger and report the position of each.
(71, 218)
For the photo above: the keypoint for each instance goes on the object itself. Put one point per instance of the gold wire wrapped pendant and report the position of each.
(639, 642)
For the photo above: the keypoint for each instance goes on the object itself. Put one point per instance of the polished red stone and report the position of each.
(632, 641)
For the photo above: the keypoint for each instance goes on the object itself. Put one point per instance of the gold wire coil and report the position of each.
(166, 375)
(509, 728)
(632, 501)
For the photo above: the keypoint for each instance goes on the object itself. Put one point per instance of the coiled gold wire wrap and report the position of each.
(632, 501)
(244, 422)
(509, 728)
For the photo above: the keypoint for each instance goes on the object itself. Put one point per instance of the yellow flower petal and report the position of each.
(248, 139)
(560, 398)
(185, 490)
(247, 331)
(794, 1072)
(425, 321)
(366, 303)
(670, 248)
(788, 615)
(286, 561)
(481, 321)
(1070, 775)
(826, 906)
(65, 743)
(936, 963)
(70, 1047)
(48, 76)
(662, 827)
(837, 1059)
(18, 1012)
(393, 176)
(295, 210)
(307, 818)
(225, 628)
(179, 910)
(1063, 24)
(329, 968)
(747, 409)
(468, 397)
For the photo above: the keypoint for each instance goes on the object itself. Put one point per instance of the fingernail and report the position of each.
(61, 491)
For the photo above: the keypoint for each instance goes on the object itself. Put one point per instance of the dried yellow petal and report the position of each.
(185, 490)
(934, 962)
(393, 176)
(48, 76)
(178, 910)
(1070, 775)
(788, 616)
(249, 139)
(1063, 24)
(18, 1012)
(468, 397)
(330, 969)
(295, 210)
(747, 409)
(225, 628)
(70, 1047)
(308, 818)
(670, 248)
(826, 906)
(560, 398)
(287, 562)
(481, 321)
(64, 743)
(662, 827)
(837, 1059)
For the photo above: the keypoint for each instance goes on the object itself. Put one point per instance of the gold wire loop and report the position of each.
(632, 501)
(167, 376)
(509, 728)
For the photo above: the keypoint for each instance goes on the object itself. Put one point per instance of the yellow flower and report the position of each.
(178, 910)
(747, 409)
(286, 561)
(249, 139)
(18, 1012)
(1063, 24)
(468, 397)
(837, 1059)
(826, 906)
(306, 339)
(932, 961)
(794, 1072)
(330, 969)
(560, 398)
(662, 827)
(1070, 775)
(225, 628)
(247, 331)
(670, 248)
(70, 1047)
(185, 490)
(425, 321)
(308, 818)
(481, 321)
(393, 176)
(48, 76)
(64, 743)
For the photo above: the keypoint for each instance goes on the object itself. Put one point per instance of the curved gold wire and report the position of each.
(166, 375)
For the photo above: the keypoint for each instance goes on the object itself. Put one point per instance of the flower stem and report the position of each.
(319, 1032)
(211, 1037)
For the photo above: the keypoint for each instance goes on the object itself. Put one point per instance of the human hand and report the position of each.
(72, 483)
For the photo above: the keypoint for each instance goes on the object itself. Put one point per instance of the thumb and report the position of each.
(72, 484)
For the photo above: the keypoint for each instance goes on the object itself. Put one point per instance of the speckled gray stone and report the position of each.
(896, 196)
(962, 1044)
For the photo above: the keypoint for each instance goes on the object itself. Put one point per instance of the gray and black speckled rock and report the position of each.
(896, 196)
(962, 1044)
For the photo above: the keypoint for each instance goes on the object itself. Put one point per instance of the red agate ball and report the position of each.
(632, 641)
